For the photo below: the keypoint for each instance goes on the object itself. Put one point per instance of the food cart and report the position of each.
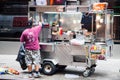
(69, 45)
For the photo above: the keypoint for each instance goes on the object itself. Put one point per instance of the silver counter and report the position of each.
(47, 47)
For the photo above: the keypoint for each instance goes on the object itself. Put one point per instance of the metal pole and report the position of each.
(92, 28)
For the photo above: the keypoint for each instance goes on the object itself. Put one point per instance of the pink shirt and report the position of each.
(30, 37)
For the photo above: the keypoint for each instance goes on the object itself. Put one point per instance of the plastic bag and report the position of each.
(21, 57)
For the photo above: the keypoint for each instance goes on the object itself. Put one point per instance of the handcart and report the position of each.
(63, 48)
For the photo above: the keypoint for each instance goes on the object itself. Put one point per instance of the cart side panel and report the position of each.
(78, 50)
(47, 51)
(62, 52)
(79, 55)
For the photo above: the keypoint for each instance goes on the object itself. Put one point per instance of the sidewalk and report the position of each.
(10, 61)
(105, 70)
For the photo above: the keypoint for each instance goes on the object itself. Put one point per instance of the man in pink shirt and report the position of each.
(32, 56)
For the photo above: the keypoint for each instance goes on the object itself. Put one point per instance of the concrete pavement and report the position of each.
(9, 61)
(105, 70)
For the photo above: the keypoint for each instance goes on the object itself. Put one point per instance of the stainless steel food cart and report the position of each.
(60, 52)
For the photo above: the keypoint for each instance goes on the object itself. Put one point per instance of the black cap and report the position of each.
(30, 23)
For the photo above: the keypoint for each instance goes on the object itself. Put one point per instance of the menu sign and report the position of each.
(99, 6)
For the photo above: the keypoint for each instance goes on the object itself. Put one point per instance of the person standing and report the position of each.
(30, 38)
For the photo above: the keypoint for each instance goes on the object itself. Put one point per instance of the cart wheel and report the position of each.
(92, 70)
(48, 68)
(86, 73)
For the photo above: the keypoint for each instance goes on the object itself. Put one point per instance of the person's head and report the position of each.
(32, 23)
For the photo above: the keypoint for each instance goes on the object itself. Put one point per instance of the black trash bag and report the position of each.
(21, 57)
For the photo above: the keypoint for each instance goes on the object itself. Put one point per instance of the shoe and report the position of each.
(30, 75)
(39, 74)
(36, 75)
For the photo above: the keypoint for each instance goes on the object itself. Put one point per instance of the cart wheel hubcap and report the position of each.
(48, 68)
(86, 73)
